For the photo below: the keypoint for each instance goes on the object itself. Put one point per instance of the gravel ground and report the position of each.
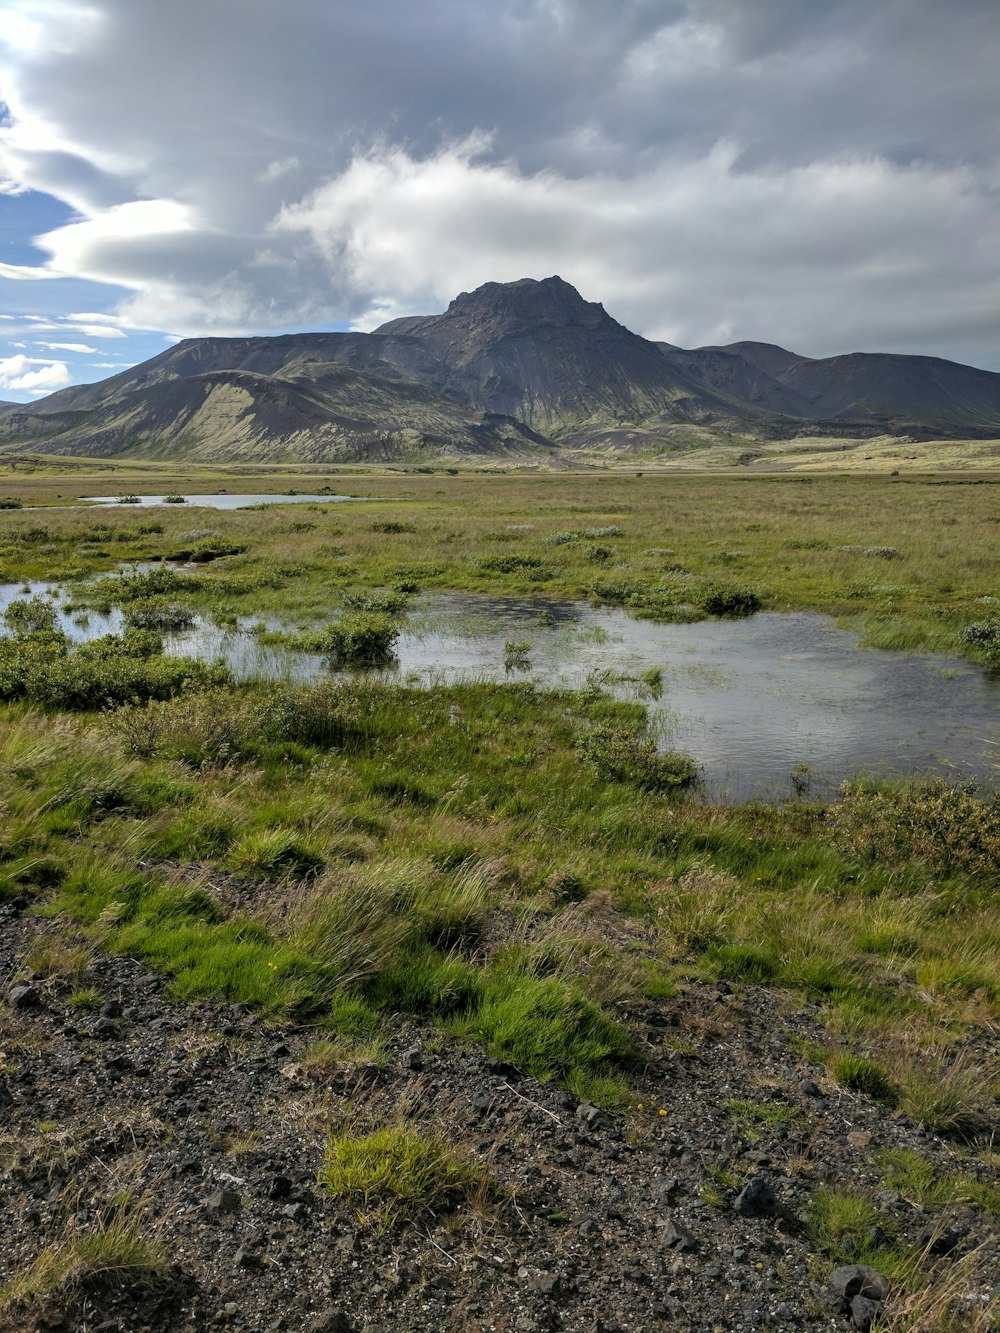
(605, 1222)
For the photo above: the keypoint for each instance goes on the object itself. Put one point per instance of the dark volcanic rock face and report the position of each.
(518, 367)
(539, 352)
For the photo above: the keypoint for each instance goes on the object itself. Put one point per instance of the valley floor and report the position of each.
(352, 1005)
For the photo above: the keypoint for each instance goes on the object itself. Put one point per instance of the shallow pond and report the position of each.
(751, 699)
(221, 501)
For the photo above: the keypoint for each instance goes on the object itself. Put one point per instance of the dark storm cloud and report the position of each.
(816, 173)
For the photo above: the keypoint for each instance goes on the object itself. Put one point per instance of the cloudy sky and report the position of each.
(819, 173)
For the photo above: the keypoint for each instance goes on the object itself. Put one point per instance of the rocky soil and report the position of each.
(682, 1214)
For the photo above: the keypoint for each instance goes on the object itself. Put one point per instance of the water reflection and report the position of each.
(751, 699)
(215, 501)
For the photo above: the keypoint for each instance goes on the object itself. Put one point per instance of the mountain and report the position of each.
(526, 367)
(538, 352)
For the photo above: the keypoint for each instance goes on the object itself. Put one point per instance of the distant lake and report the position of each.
(218, 501)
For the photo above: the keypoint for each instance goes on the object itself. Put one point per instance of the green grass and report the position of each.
(397, 1172)
(866, 1076)
(510, 864)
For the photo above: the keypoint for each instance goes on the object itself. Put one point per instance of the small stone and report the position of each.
(859, 1138)
(104, 1027)
(676, 1236)
(547, 1284)
(23, 996)
(329, 1321)
(223, 1201)
(111, 1009)
(279, 1188)
(294, 1211)
(412, 1058)
(757, 1199)
(664, 1186)
(590, 1116)
(247, 1258)
(863, 1313)
(810, 1088)
(855, 1280)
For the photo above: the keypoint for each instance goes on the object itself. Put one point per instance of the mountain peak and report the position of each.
(529, 303)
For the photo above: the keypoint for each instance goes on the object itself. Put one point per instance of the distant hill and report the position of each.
(520, 368)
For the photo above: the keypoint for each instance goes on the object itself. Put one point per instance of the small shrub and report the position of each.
(620, 754)
(392, 527)
(983, 635)
(364, 639)
(516, 655)
(159, 582)
(514, 564)
(945, 826)
(154, 614)
(729, 599)
(175, 499)
(381, 601)
(30, 615)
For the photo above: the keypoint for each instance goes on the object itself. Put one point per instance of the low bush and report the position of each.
(620, 754)
(947, 826)
(729, 599)
(30, 615)
(152, 613)
(363, 639)
(40, 669)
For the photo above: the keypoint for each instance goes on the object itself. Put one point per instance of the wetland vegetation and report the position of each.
(519, 867)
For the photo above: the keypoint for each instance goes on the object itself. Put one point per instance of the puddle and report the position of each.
(750, 699)
(221, 501)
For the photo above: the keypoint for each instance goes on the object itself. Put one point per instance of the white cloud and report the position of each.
(14, 374)
(95, 330)
(692, 252)
(82, 348)
(241, 192)
(26, 273)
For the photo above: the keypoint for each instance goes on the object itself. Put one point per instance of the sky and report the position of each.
(823, 174)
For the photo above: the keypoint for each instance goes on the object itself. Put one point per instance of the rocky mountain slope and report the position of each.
(522, 367)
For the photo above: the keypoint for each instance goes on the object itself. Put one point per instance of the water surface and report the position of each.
(219, 501)
(752, 700)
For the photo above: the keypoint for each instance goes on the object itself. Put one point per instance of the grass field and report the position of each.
(517, 867)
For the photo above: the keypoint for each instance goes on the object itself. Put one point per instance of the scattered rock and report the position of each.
(757, 1199)
(590, 1116)
(676, 1236)
(855, 1280)
(24, 996)
(247, 1258)
(412, 1058)
(223, 1201)
(864, 1312)
(329, 1321)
